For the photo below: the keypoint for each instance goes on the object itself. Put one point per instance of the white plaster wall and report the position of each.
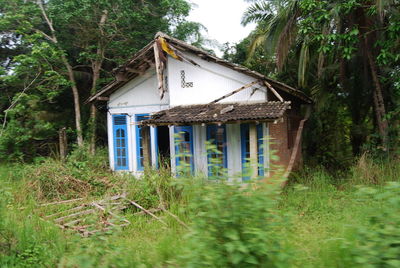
(234, 150)
(110, 137)
(199, 147)
(141, 91)
(210, 81)
(172, 149)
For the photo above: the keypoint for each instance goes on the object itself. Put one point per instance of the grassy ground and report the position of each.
(316, 219)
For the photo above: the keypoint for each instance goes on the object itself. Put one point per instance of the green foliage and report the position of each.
(216, 171)
(318, 221)
(26, 130)
(98, 251)
(324, 44)
(378, 243)
(34, 62)
(25, 239)
(235, 226)
(155, 189)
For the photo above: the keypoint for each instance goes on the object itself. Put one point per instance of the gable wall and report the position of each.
(141, 91)
(210, 81)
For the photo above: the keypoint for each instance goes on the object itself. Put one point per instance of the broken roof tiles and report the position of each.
(219, 113)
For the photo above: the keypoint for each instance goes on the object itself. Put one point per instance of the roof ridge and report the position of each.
(192, 49)
(232, 103)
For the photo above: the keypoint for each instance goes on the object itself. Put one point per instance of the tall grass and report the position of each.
(319, 220)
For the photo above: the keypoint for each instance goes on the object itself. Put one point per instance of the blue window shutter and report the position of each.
(260, 145)
(184, 146)
(220, 143)
(139, 141)
(120, 134)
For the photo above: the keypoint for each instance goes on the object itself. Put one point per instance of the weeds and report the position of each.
(236, 227)
(369, 171)
(378, 243)
(320, 220)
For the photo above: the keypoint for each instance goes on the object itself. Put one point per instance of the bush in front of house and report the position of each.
(236, 226)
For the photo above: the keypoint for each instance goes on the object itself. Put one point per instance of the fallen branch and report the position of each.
(151, 210)
(65, 211)
(296, 147)
(85, 212)
(109, 212)
(61, 202)
(145, 210)
(175, 217)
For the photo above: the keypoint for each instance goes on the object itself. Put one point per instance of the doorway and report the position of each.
(163, 147)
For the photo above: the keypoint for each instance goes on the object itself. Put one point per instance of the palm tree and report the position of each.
(320, 39)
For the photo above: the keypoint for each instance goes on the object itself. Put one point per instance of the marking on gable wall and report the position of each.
(183, 80)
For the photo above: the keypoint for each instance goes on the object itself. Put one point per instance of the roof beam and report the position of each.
(274, 91)
(235, 91)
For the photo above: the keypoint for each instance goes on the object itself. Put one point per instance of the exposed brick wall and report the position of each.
(283, 135)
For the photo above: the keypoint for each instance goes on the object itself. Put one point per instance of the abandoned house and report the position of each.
(170, 87)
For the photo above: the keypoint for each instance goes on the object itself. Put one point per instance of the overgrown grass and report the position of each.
(318, 221)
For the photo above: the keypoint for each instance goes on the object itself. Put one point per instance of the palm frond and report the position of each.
(256, 12)
(303, 61)
(287, 35)
(257, 40)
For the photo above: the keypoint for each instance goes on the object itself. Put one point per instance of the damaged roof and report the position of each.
(144, 59)
(219, 113)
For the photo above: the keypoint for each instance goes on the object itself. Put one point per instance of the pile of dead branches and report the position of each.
(88, 218)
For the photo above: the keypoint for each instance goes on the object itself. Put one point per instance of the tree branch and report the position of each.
(45, 35)
(49, 23)
(15, 103)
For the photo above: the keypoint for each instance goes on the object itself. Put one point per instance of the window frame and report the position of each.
(116, 128)
(177, 130)
(139, 145)
(245, 132)
(209, 129)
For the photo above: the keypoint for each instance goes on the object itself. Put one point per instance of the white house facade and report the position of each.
(171, 98)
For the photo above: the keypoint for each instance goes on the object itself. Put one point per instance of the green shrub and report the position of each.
(378, 244)
(81, 158)
(236, 226)
(154, 188)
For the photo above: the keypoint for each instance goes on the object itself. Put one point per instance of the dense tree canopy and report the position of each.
(345, 54)
(56, 53)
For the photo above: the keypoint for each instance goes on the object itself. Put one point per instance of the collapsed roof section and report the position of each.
(154, 55)
(218, 113)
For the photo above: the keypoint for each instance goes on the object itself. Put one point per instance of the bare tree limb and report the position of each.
(15, 102)
(70, 73)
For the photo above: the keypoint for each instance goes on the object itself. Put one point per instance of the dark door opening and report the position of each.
(163, 146)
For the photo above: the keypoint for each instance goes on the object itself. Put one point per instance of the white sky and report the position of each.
(222, 19)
